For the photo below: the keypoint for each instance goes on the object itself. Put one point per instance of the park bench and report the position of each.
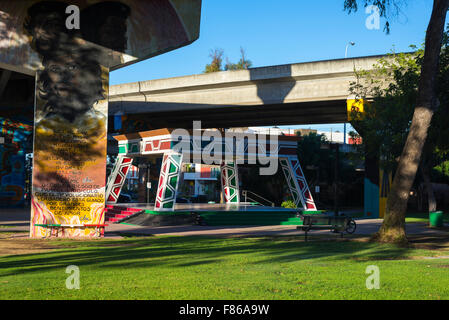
(49, 228)
(337, 224)
(56, 227)
(99, 228)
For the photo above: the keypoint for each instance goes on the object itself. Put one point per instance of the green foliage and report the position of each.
(312, 155)
(289, 204)
(216, 64)
(310, 151)
(318, 163)
(385, 123)
(440, 173)
(271, 187)
(243, 63)
(392, 88)
(217, 61)
(314, 152)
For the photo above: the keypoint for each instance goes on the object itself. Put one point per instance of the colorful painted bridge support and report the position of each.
(44, 40)
(209, 147)
(230, 182)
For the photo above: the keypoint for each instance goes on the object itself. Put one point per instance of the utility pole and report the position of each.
(346, 56)
(337, 158)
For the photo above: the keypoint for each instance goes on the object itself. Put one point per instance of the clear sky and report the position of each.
(274, 32)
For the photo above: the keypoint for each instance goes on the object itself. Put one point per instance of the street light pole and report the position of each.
(346, 56)
(347, 46)
(336, 168)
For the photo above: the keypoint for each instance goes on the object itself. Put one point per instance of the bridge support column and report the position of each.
(117, 178)
(70, 140)
(297, 182)
(168, 182)
(230, 182)
(371, 186)
(385, 180)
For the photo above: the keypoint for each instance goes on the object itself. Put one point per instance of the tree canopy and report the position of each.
(217, 62)
(393, 226)
(387, 8)
(385, 124)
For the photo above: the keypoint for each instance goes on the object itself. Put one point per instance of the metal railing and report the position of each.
(254, 197)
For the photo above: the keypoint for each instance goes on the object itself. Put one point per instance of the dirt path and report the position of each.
(19, 243)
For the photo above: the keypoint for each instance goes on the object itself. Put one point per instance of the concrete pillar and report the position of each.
(71, 114)
(230, 182)
(371, 187)
(297, 183)
(168, 182)
(117, 179)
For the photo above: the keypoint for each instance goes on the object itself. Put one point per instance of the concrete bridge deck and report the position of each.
(291, 94)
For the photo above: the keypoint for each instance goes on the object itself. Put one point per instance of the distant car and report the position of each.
(199, 199)
(182, 200)
(124, 198)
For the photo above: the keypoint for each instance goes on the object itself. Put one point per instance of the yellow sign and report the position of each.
(384, 190)
(354, 108)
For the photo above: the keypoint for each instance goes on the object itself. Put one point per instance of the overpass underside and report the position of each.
(293, 94)
(316, 112)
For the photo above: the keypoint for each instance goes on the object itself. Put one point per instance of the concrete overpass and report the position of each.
(291, 94)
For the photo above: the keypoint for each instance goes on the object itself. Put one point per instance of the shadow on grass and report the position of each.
(430, 242)
(7, 231)
(15, 224)
(182, 252)
(423, 217)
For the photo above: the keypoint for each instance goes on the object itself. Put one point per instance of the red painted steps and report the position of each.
(117, 213)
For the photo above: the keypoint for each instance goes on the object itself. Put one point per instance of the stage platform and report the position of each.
(202, 207)
(242, 214)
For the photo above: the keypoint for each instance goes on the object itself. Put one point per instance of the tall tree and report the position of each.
(393, 226)
(243, 64)
(217, 61)
(385, 123)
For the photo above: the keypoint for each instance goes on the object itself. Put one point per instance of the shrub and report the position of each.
(289, 204)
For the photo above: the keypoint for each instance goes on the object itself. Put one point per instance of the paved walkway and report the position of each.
(14, 220)
(17, 220)
(364, 227)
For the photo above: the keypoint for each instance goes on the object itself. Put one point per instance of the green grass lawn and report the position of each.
(225, 268)
(423, 217)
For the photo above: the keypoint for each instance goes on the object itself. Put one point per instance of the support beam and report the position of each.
(168, 182)
(230, 182)
(70, 140)
(6, 74)
(297, 183)
(117, 178)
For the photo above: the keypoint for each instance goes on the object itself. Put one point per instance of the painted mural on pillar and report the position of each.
(16, 140)
(12, 177)
(70, 126)
(72, 70)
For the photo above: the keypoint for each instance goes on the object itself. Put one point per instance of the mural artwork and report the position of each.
(16, 135)
(70, 125)
(72, 75)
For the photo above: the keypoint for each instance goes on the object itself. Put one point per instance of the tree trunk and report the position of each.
(393, 227)
(432, 203)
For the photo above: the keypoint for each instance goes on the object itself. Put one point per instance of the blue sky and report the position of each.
(276, 32)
